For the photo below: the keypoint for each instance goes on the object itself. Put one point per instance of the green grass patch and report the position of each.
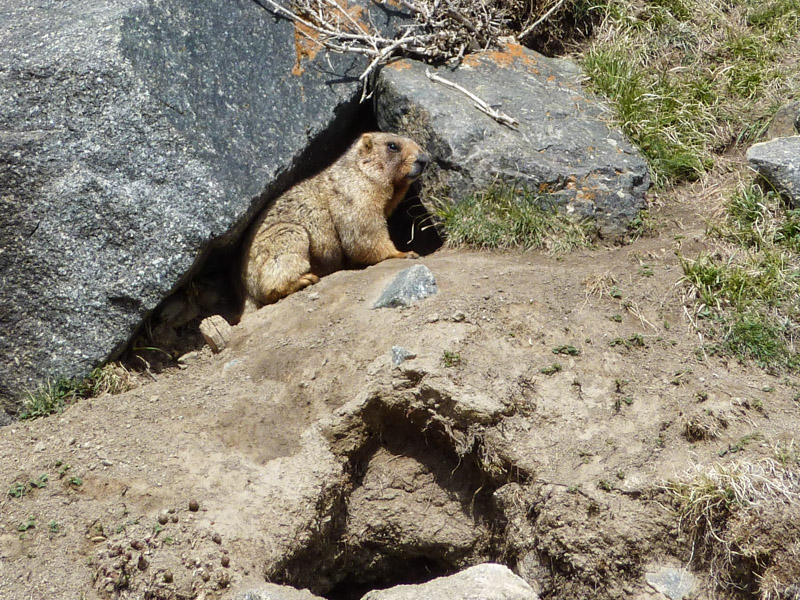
(748, 292)
(506, 217)
(688, 79)
(54, 396)
(451, 359)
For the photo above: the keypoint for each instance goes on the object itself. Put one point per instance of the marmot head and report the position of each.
(389, 158)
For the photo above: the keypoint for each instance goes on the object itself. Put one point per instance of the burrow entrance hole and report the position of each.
(412, 511)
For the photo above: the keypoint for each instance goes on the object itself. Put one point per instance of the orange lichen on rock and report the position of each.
(354, 24)
(511, 55)
(399, 65)
(306, 39)
(306, 46)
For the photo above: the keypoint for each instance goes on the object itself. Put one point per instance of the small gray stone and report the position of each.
(674, 583)
(786, 121)
(778, 162)
(400, 354)
(409, 286)
(482, 582)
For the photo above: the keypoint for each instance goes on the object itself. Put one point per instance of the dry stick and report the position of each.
(326, 31)
(482, 106)
(540, 20)
(381, 57)
(348, 16)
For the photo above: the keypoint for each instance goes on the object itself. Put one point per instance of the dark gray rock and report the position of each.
(482, 582)
(271, 591)
(778, 162)
(563, 147)
(409, 286)
(133, 135)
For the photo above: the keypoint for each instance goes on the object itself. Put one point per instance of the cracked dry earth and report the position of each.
(302, 455)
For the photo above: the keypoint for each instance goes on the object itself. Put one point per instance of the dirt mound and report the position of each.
(547, 404)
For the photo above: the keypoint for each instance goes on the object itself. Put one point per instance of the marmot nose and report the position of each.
(418, 166)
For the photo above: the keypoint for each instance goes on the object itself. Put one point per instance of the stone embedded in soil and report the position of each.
(409, 286)
(487, 581)
(216, 332)
(271, 591)
(400, 354)
(674, 583)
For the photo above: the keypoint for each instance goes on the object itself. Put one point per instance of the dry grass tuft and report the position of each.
(743, 518)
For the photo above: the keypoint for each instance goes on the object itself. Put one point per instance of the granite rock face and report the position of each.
(563, 147)
(135, 134)
(778, 162)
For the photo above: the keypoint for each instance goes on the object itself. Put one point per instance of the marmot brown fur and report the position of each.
(331, 221)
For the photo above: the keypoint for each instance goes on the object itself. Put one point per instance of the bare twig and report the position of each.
(528, 30)
(441, 31)
(481, 105)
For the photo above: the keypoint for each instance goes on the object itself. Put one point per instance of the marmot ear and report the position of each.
(366, 142)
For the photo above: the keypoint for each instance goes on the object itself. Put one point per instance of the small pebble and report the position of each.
(174, 518)
(142, 564)
(216, 538)
(225, 560)
(194, 505)
(137, 545)
(204, 575)
(162, 518)
(168, 576)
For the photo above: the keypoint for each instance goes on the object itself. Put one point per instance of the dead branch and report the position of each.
(441, 31)
(481, 105)
(528, 30)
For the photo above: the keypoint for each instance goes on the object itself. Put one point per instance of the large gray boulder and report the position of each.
(134, 134)
(778, 162)
(488, 581)
(563, 147)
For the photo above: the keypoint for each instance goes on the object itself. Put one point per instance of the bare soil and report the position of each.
(314, 461)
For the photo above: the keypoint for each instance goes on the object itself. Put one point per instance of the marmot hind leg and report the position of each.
(284, 263)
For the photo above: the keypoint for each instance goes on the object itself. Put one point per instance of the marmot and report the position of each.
(331, 221)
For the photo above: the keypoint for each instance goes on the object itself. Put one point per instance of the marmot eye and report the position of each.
(393, 147)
